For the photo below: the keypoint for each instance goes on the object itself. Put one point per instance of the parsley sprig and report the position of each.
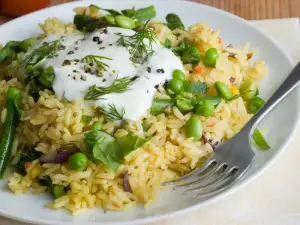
(140, 45)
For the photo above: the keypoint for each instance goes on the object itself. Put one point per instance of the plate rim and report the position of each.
(200, 205)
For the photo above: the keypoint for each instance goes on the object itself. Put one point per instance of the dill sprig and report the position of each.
(118, 86)
(46, 50)
(139, 44)
(96, 60)
(112, 112)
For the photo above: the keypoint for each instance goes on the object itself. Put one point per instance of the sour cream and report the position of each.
(72, 80)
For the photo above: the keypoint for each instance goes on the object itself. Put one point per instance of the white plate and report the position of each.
(280, 122)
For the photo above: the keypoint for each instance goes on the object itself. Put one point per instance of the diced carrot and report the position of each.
(220, 41)
(27, 164)
(117, 205)
(211, 125)
(234, 90)
(198, 69)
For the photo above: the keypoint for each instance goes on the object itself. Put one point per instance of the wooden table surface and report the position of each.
(248, 9)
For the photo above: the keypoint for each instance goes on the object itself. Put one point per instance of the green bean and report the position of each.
(9, 127)
(25, 44)
(248, 89)
(144, 14)
(125, 22)
(174, 22)
(215, 100)
(193, 128)
(129, 12)
(159, 105)
(191, 55)
(175, 86)
(178, 74)
(255, 104)
(211, 57)
(223, 90)
(78, 161)
(205, 108)
(110, 19)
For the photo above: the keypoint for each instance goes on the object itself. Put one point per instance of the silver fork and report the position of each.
(232, 157)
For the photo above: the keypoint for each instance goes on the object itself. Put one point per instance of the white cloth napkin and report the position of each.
(273, 198)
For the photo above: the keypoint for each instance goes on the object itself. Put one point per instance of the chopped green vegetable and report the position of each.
(97, 126)
(87, 24)
(183, 46)
(47, 77)
(9, 50)
(56, 190)
(112, 12)
(145, 127)
(195, 87)
(193, 128)
(191, 55)
(27, 43)
(174, 22)
(112, 153)
(215, 100)
(110, 19)
(120, 85)
(144, 14)
(9, 128)
(205, 108)
(185, 102)
(255, 104)
(159, 105)
(92, 137)
(27, 155)
(260, 140)
(129, 12)
(211, 57)
(248, 89)
(175, 86)
(168, 43)
(78, 161)
(125, 22)
(112, 113)
(86, 119)
(223, 90)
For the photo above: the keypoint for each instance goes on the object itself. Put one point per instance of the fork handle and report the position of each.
(290, 83)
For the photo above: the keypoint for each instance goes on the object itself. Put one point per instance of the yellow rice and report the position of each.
(50, 123)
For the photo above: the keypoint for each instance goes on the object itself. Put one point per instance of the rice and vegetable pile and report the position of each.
(87, 156)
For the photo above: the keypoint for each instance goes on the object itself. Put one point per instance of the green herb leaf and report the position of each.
(136, 44)
(112, 112)
(120, 85)
(183, 46)
(27, 155)
(87, 24)
(260, 140)
(112, 153)
(47, 77)
(174, 22)
(195, 87)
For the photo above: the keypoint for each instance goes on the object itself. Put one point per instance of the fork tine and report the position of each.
(199, 178)
(223, 184)
(190, 175)
(217, 176)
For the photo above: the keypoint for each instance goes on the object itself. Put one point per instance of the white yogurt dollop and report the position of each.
(72, 82)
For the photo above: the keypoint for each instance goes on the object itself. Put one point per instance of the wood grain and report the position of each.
(258, 9)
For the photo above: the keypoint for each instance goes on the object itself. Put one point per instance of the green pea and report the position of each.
(205, 108)
(193, 128)
(178, 74)
(125, 22)
(78, 161)
(255, 104)
(211, 57)
(97, 126)
(110, 19)
(248, 89)
(223, 90)
(175, 86)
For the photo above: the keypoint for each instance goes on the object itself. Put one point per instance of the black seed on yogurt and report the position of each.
(100, 42)
(76, 48)
(160, 71)
(70, 52)
(96, 39)
(156, 86)
(101, 48)
(66, 62)
(134, 78)
(148, 69)
(110, 44)
(103, 80)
